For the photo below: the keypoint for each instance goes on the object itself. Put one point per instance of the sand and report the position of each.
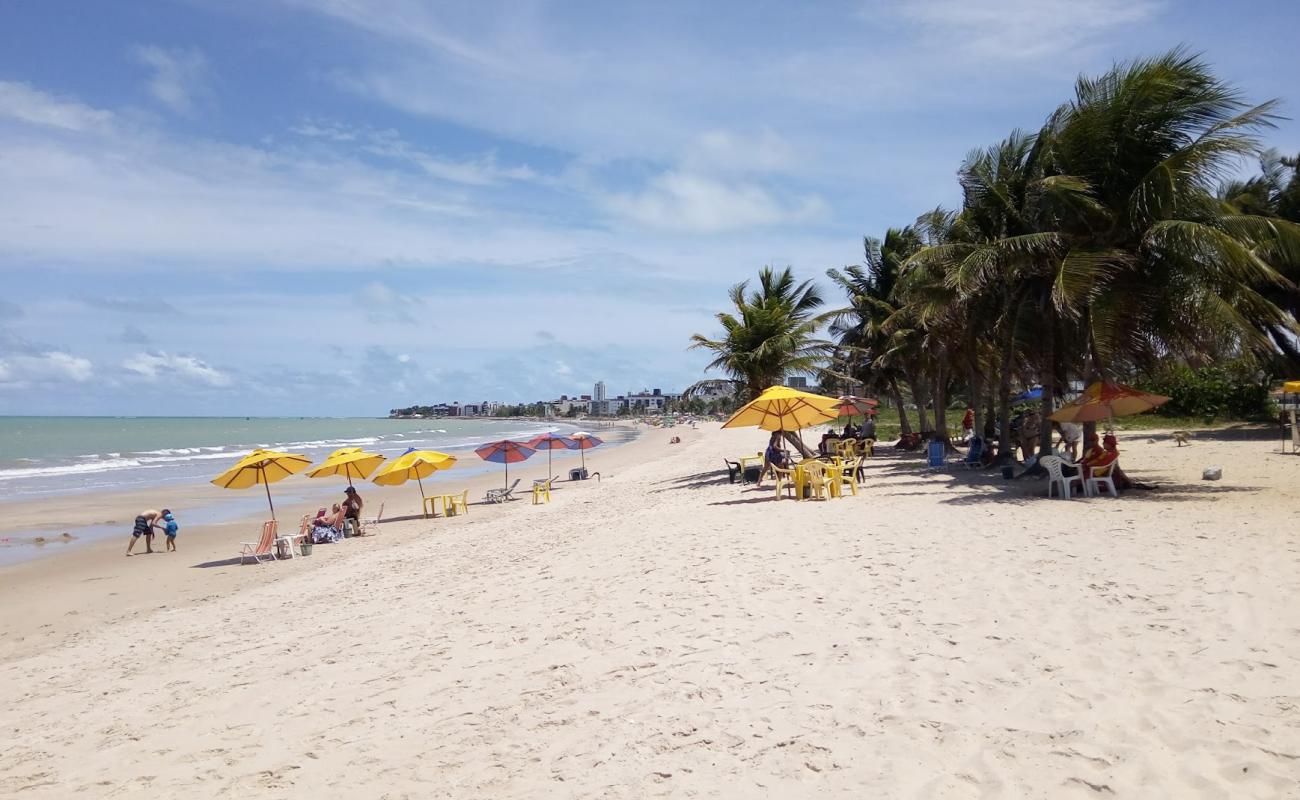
(663, 633)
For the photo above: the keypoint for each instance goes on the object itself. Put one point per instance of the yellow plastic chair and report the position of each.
(869, 448)
(847, 477)
(542, 489)
(833, 474)
(815, 473)
(459, 502)
(786, 479)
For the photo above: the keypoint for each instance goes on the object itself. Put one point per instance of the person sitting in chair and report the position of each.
(825, 445)
(774, 456)
(327, 527)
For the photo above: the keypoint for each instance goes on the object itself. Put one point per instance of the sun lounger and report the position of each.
(261, 549)
(501, 495)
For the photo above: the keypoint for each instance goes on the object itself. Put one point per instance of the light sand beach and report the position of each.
(664, 633)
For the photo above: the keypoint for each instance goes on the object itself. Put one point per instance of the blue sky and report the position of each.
(341, 206)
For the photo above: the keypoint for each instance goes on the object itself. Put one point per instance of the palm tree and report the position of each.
(1119, 245)
(871, 353)
(770, 334)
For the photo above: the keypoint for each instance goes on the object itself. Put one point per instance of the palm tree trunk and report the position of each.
(1005, 455)
(798, 444)
(1048, 379)
(940, 405)
(918, 396)
(1094, 368)
(973, 384)
(904, 425)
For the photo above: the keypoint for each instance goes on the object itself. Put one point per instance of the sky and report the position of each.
(338, 207)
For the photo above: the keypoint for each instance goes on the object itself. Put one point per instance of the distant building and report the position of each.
(796, 382)
(609, 407)
(483, 409)
(598, 394)
(650, 401)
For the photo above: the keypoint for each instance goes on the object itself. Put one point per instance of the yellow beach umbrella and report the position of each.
(263, 467)
(781, 408)
(1291, 387)
(350, 462)
(417, 464)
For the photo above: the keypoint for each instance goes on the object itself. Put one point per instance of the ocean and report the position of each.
(43, 456)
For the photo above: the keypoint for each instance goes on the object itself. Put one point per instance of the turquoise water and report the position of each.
(42, 456)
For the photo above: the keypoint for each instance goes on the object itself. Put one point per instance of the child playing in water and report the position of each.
(170, 528)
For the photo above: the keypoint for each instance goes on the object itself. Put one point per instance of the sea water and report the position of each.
(50, 456)
(44, 456)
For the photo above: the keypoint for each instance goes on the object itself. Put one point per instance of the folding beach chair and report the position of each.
(934, 454)
(501, 495)
(261, 549)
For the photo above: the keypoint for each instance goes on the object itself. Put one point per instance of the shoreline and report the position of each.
(92, 513)
(92, 583)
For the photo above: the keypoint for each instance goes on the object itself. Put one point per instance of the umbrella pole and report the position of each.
(548, 464)
(421, 483)
(507, 483)
(267, 486)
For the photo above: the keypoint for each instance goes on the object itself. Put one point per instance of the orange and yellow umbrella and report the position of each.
(1103, 400)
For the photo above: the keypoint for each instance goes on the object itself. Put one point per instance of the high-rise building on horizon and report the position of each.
(598, 394)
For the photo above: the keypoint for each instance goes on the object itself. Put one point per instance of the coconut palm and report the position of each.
(770, 334)
(868, 350)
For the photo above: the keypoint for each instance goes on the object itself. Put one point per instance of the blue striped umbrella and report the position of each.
(505, 452)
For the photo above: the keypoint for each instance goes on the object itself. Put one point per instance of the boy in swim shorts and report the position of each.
(145, 522)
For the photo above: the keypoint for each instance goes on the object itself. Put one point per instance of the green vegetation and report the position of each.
(1104, 245)
(1236, 390)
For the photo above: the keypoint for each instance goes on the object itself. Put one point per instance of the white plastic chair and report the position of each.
(1057, 480)
(369, 524)
(1103, 476)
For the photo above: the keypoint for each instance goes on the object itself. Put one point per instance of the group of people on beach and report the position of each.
(150, 520)
(330, 526)
(326, 527)
(851, 432)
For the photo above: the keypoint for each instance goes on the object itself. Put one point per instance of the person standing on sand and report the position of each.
(170, 528)
(145, 522)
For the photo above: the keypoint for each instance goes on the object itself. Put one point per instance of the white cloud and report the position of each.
(680, 201)
(179, 76)
(1016, 30)
(45, 368)
(20, 101)
(725, 151)
(164, 366)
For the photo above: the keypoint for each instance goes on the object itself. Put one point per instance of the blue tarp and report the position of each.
(1033, 394)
